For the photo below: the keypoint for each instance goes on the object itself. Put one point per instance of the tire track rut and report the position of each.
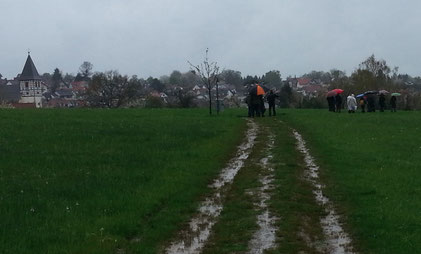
(192, 240)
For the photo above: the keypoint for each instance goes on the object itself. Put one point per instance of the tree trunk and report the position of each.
(217, 98)
(210, 101)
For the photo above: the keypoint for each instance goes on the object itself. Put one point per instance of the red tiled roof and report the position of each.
(304, 81)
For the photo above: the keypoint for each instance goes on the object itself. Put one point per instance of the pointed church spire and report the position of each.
(29, 71)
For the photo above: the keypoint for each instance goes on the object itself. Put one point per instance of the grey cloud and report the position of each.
(154, 37)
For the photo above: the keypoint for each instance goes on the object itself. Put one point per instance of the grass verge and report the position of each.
(371, 165)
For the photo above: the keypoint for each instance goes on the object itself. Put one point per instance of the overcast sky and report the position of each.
(155, 37)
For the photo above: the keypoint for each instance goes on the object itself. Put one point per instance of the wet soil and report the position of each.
(197, 233)
(193, 239)
(337, 240)
(265, 237)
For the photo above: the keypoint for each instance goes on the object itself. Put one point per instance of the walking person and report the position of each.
(362, 104)
(371, 103)
(255, 105)
(393, 103)
(351, 102)
(382, 102)
(338, 103)
(271, 101)
(331, 103)
(249, 107)
(262, 106)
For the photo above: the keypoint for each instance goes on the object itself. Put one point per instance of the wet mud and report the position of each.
(265, 237)
(193, 239)
(338, 241)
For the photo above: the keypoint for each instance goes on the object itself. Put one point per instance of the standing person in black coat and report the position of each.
(271, 100)
(382, 102)
(338, 103)
(262, 105)
(331, 103)
(249, 106)
(393, 103)
(371, 103)
(255, 105)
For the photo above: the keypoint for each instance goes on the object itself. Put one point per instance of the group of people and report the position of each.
(370, 102)
(256, 103)
(334, 103)
(367, 103)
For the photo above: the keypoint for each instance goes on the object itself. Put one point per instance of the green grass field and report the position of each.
(93, 181)
(372, 166)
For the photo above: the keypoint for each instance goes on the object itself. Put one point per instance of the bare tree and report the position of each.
(376, 67)
(208, 73)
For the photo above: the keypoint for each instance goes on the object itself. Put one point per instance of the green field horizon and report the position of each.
(95, 181)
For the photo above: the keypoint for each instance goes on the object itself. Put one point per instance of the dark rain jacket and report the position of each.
(271, 98)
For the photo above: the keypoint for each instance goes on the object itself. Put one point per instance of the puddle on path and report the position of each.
(264, 238)
(192, 240)
(338, 240)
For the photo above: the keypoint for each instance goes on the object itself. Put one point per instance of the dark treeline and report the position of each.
(371, 75)
(110, 89)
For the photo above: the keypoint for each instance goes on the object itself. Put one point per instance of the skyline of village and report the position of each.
(57, 89)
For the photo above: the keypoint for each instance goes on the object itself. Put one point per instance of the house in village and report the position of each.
(302, 82)
(292, 82)
(79, 85)
(313, 91)
(69, 95)
(9, 91)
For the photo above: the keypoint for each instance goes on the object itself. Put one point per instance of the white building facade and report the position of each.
(31, 85)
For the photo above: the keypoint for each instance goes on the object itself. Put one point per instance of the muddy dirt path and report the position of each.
(338, 241)
(195, 236)
(264, 238)
(192, 239)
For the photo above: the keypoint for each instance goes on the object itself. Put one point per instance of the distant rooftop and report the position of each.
(29, 71)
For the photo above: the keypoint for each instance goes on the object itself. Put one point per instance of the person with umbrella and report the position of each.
(256, 100)
(371, 103)
(362, 102)
(382, 102)
(393, 103)
(338, 103)
(261, 92)
(370, 100)
(330, 97)
(331, 103)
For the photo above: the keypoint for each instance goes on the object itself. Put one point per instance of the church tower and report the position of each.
(31, 85)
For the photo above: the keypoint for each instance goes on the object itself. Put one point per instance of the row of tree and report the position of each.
(111, 89)
(371, 74)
